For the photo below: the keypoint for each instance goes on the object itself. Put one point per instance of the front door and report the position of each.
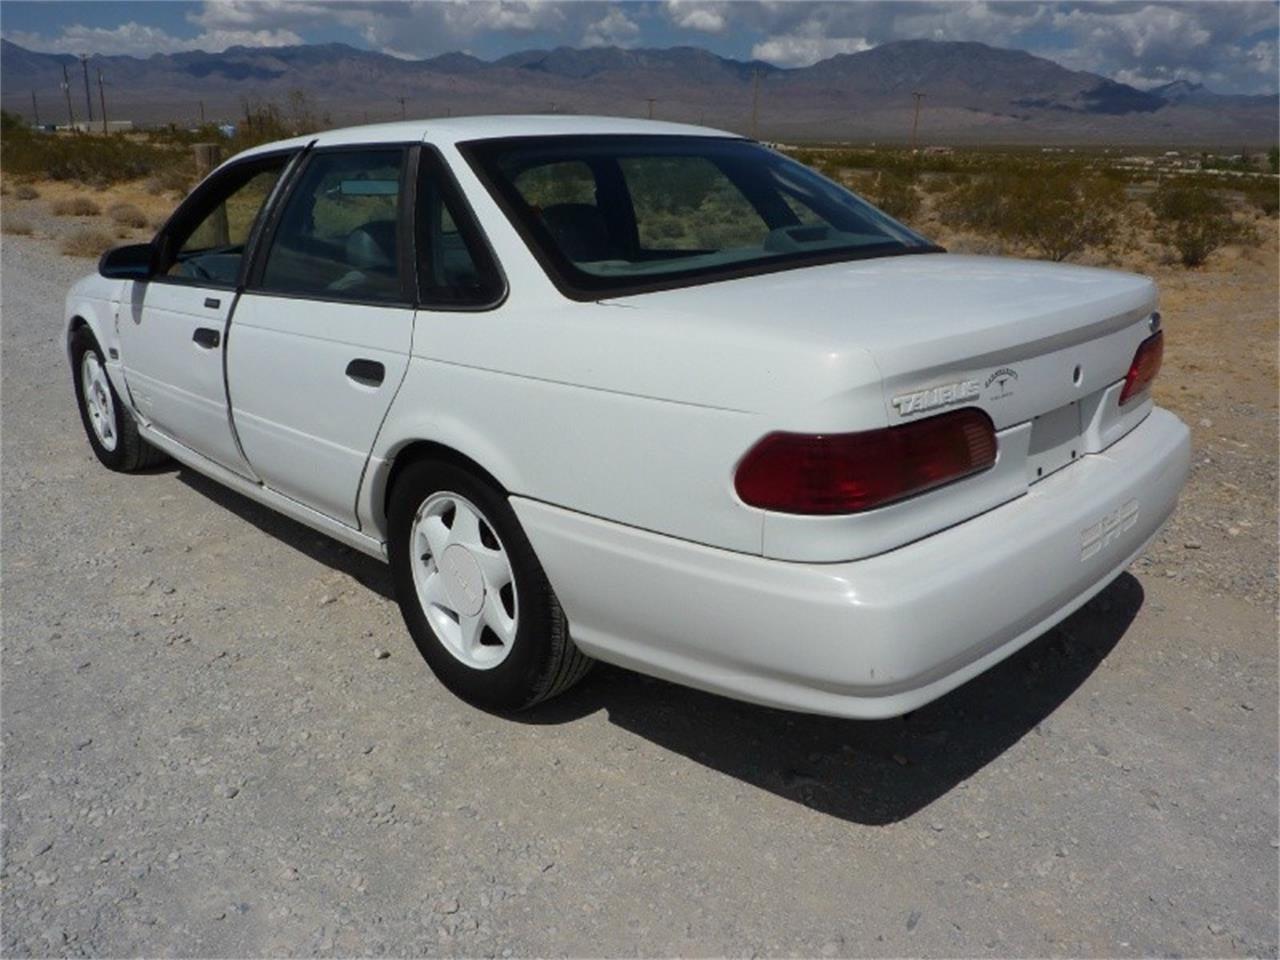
(321, 336)
(173, 327)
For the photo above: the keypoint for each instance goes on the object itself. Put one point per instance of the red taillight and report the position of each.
(1145, 366)
(850, 472)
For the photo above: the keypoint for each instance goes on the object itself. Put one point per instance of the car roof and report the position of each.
(450, 130)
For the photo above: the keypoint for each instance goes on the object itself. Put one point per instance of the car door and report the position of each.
(173, 326)
(321, 335)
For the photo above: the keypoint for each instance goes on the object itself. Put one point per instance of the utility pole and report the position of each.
(755, 104)
(35, 109)
(652, 101)
(202, 113)
(102, 101)
(66, 89)
(400, 99)
(88, 99)
(915, 121)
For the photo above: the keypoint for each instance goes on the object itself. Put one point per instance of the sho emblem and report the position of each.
(934, 397)
(1001, 379)
(1098, 536)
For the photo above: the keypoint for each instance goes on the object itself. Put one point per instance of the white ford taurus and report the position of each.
(641, 392)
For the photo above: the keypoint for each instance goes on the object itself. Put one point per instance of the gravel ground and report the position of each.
(219, 740)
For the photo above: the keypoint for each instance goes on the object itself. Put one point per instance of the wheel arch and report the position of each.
(383, 475)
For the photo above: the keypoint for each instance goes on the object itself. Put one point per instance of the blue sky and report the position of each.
(1229, 46)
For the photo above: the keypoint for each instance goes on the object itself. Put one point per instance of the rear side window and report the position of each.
(455, 267)
(338, 235)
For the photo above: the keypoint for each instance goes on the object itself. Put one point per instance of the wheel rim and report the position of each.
(97, 400)
(464, 580)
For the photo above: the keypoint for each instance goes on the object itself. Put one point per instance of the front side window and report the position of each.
(210, 242)
(615, 214)
(338, 234)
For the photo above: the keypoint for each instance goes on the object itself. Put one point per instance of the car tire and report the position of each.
(112, 431)
(472, 592)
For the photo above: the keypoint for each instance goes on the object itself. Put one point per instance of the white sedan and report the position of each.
(645, 393)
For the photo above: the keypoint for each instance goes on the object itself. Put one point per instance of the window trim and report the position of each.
(404, 213)
(431, 163)
(566, 277)
(193, 200)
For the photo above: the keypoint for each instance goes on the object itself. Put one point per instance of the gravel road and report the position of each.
(218, 741)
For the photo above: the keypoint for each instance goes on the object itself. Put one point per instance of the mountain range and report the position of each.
(972, 92)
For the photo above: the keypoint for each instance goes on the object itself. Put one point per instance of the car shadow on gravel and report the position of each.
(371, 573)
(869, 772)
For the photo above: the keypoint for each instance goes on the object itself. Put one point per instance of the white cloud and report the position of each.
(798, 51)
(695, 15)
(139, 40)
(614, 29)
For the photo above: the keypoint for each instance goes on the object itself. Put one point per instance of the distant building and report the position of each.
(95, 126)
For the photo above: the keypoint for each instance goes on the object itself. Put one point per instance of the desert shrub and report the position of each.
(83, 158)
(895, 194)
(1273, 159)
(16, 226)
(87, 242)
(1058, 212)
(177, 179)
(1193, 220)
(75, 207)
(127, 215)
(24, 191)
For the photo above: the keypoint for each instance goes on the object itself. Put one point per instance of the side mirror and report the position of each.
(127, 263)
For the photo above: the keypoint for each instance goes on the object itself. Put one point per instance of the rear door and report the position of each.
(173, 326)
(321, 336)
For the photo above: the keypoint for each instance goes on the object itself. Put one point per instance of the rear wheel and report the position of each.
(472, 592)
(112, 431)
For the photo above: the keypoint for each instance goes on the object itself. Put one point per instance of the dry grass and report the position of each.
(24, 191)
(16, 226)
(87, 242)
(128, 215)
(78, 206)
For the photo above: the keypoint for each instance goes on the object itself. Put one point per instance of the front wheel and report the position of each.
(472, 592)
(112, 431)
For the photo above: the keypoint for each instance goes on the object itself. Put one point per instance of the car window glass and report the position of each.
(669, 210)
(212, 251)
(454, 266)
(687, 203)
(338, 234)
(550, 184)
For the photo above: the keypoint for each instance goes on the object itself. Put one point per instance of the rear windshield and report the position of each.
(616, 214)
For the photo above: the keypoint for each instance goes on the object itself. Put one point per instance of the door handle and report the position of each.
(213, 303)
(368, 373)
(206, 337)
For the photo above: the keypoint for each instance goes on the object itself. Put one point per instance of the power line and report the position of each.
(915, 120)
(102, 99)
(755, 104)
(66, 89)
(88, 98)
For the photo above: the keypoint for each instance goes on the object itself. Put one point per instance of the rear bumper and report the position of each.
(868, 638)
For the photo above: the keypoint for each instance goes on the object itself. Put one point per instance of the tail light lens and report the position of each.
(850, 472)
(1145, 366)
